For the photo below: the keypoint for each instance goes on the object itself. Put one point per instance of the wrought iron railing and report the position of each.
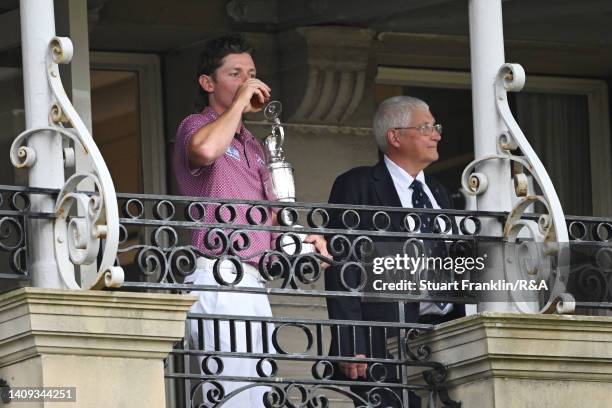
(156, 253)
(14, 206)
(352, 232)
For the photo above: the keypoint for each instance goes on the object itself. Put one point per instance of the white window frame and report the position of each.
(596, 92)
(152, 143)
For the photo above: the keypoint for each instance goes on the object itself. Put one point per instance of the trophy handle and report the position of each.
(279, 133)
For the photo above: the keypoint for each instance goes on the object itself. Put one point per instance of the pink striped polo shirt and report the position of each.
(240, 173)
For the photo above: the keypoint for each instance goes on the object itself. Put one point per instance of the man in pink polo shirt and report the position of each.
(217, 157)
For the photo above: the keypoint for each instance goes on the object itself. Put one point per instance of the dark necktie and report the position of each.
(433, 248)
(420, 200)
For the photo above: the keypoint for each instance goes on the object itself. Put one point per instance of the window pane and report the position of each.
(558, 130)
(116, 128)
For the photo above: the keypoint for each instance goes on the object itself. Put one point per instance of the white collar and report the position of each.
(401, 176)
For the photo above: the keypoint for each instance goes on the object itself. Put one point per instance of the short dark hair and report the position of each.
(212, 56)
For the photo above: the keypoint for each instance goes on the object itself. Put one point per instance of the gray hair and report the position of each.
(392, 113)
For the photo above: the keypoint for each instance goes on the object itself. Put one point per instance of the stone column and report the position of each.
(37, 30)
(487, 56)
(505, 360)
(109, 345)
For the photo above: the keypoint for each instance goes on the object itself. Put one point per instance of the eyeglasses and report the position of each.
(426, 130)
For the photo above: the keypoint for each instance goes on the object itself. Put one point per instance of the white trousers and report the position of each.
(231, 303)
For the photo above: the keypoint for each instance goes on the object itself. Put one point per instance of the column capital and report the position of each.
(325, 71)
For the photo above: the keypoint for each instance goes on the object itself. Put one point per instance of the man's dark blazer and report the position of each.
(371, 186)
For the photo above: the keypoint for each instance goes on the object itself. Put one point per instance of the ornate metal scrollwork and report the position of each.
(550, 230)
(422, 353)
(435, 379)
(77, 240)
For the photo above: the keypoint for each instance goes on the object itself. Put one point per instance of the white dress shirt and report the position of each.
(402, 181)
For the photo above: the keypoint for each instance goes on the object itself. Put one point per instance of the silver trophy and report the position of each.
(281, 172)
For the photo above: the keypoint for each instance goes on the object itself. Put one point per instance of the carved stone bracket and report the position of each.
(324, 72)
